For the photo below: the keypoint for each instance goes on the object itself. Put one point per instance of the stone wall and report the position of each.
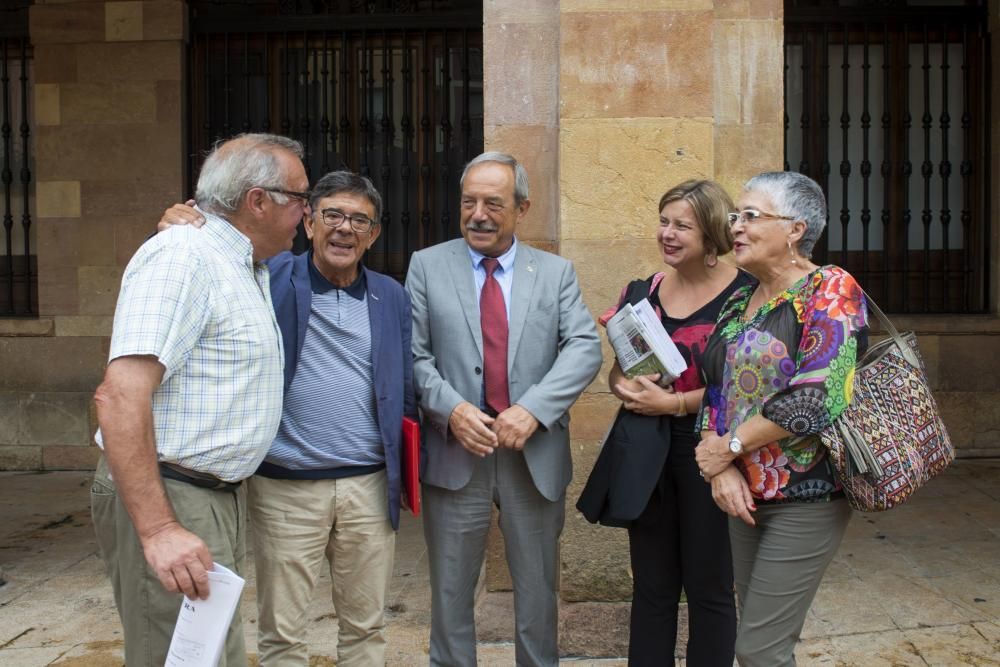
(651, 94)
(108, 143)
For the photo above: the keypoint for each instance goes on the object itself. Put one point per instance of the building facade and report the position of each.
(108, 106)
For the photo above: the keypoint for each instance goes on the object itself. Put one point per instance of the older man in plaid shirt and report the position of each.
(191, 398)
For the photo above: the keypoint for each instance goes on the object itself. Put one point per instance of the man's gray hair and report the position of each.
(347, 182)
(520, 175)
(236, 165)
(797, 196)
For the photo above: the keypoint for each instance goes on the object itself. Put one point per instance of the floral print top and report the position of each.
(793, 362)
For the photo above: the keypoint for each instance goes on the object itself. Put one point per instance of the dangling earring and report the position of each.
(711, 259)
(792, 253)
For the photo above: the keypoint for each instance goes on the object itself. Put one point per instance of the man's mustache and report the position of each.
(481, 227)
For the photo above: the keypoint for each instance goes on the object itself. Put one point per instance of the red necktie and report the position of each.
(493, 320)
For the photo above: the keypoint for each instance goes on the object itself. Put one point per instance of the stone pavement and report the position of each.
(919, 585)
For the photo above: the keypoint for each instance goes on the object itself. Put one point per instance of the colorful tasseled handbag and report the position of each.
(890, 440)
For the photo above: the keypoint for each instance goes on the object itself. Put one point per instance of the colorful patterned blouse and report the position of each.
(793, 362)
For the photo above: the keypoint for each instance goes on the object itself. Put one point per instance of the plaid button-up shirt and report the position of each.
(196, 301)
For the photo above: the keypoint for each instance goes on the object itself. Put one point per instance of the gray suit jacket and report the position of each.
(553, 354)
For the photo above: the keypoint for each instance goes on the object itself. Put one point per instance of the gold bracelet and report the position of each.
(681, 407)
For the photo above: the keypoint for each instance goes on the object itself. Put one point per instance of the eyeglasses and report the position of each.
(334, 218)
(303, 197)
(748, 215)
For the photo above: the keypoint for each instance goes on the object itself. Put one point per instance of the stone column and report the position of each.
(108, 145)
(520, 89)
(651, 93)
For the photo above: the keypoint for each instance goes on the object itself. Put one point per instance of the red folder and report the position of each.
(411, 463)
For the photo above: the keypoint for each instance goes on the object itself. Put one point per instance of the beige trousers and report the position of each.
(148, 612)
(296, 523)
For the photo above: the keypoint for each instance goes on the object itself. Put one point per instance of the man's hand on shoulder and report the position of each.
(180, 559)
(471, 427)
(180, 214)
(514, 426)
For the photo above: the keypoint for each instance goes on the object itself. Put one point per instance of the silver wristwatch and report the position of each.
(735, 444)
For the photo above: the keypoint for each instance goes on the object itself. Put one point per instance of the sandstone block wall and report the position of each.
(109, 149)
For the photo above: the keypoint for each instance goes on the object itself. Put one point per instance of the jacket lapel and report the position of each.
(375, 310)
(525, 271)
(465, 291)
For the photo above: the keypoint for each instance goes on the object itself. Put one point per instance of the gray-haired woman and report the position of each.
(779, 368)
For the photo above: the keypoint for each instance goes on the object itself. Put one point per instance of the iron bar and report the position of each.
(866, 165)
(246, 83)
(466, 120)
(305, 124)
(944, 169)
(886, 168)
(287, 90)
(927, 168)
(804, 120)
(324, 123)
(965, 170)
(345, 89)
(227, 129)
(907, 168)
(845, 164)
(265, 124)
(445, 136)
(7, 176)
(406, 125)
(26, 178)
(427, 146)
(386, 127)
(365, 109)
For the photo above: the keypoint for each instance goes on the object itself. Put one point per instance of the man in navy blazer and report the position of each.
(323, 489)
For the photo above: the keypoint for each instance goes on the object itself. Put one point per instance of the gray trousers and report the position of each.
(456, 524)
(777, 567)
(148, 612)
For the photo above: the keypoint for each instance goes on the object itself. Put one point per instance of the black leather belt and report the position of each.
(200, 479)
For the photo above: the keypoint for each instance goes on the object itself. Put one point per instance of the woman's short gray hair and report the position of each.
(337, 182)
(236, 165)
(796, 196)
(520, 175)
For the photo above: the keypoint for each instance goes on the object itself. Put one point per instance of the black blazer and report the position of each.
(631, 459)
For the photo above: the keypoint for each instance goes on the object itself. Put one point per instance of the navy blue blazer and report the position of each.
(392, 358)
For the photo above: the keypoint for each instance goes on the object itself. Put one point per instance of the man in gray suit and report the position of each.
(503, 345)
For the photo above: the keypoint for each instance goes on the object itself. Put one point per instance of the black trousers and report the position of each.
(681, 540)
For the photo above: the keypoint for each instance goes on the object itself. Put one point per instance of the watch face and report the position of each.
(735, 446)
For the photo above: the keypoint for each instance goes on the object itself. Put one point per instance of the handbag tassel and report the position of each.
(860, 456)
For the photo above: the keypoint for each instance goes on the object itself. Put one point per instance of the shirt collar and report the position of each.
(506, 259)
(320, 285)
(227, 237)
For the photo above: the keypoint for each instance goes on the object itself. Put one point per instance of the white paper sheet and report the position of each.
(202, 625)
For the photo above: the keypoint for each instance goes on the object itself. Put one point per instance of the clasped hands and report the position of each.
(729, 489)
(642, 395)
(481, 434)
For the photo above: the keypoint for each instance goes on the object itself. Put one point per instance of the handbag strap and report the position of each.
(904, 349)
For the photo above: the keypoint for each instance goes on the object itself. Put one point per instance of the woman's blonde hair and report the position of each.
(711, 206)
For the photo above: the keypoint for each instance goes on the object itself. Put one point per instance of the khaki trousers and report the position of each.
(148, 612)
(296, 523)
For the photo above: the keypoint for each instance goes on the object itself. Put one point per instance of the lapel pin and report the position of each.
(531, 269)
